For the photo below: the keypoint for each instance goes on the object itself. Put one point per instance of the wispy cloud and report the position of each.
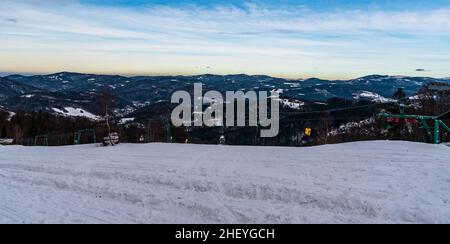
(285, 41)
(11, 20)
(421, 70)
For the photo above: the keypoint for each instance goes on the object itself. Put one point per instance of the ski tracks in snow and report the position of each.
(371, 182)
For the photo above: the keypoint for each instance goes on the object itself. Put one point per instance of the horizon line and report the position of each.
(5, 74)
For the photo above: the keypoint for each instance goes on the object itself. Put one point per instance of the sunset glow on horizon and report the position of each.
(293, 39)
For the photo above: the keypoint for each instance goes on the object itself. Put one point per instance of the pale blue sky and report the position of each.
(334, 39)
(313, 4)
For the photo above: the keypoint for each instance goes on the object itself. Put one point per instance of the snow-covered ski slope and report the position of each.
(363, 182)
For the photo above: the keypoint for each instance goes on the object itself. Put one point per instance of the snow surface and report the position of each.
(363, 182)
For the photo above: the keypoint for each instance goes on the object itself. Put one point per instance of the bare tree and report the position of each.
(106, 103)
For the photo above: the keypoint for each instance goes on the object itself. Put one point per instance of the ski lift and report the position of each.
(41, 140)
(112, 139)
(85, 131)
(141, 139)
(222, 140)
(398, 122)
(159, 130)
(433, 132)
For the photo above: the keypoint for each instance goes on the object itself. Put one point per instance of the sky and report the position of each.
(332, 39)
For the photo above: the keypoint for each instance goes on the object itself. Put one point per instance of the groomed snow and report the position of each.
(364, 182)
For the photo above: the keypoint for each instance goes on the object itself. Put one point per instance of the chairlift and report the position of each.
(112, 139)
(433, 132)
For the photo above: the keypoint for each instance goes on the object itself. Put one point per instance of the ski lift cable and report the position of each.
(327, 110)
(288, 113)
(332, 110)
(320, 119)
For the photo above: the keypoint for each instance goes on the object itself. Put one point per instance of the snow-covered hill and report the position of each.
(76, 112)
(18, 92)
(368, 182)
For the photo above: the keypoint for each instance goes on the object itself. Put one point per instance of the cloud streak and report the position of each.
(281, 41)
(11, 20)
(421, 70)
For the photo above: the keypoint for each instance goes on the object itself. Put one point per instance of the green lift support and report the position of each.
(168, 131)
(38, 138)
(80, 133)
(433, 131)
(167, 128)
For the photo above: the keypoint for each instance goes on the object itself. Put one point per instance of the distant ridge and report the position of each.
(80, 91)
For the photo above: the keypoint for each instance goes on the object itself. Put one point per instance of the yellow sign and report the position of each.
(308, 131)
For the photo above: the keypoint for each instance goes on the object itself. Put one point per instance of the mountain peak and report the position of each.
(65, 73)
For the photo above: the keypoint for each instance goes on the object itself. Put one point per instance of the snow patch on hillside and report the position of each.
(293, 104)
(345, 128)
(125, 120)
(292, 85)
(374, 97)
(76, 112)
(11, 115)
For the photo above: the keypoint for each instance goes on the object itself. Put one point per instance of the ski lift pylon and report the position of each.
(432, 132)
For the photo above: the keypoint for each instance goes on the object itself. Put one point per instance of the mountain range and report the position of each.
(61, 92)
